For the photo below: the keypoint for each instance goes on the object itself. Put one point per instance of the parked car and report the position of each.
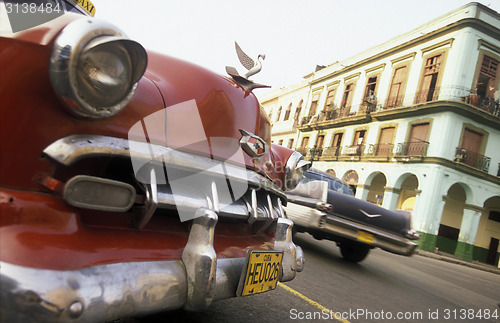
(132, 182)
(325, 207)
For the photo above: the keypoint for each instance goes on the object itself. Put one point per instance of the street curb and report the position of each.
(450, 259)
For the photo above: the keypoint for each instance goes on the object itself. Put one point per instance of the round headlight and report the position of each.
(104, 75)
(94, 68)
(295, 167)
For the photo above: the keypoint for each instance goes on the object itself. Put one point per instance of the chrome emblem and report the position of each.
(370, 215)
(253, 145)
(253, 67)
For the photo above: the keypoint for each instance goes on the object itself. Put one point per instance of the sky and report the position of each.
(294, 35)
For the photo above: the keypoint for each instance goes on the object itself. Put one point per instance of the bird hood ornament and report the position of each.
(253, 67)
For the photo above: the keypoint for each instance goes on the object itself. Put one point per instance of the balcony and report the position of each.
(353, 151)
(449, 93)
(332, 114)
(331, 152)
(305, 120)
(412, 148)
(380, 150)
(472, 159)
(315, 153)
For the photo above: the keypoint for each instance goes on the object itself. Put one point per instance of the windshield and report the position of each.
(334, 184)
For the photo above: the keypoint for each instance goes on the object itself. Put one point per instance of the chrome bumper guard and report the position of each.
(382, 239)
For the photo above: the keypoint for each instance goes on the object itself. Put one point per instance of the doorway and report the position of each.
(492, 252)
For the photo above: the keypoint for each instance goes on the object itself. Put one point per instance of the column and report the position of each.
(430, 224)
(417, 216)
(362, 191)
(468, 232)
(391, 196)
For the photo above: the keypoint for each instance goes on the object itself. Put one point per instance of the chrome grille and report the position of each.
(231, 191)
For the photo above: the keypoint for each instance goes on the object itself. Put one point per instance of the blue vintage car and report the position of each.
(325, 207)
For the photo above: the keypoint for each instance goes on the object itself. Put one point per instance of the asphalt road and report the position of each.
(384, 287)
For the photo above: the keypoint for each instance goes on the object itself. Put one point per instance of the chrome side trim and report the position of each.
(382, 239)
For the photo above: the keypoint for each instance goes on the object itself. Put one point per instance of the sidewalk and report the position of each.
(450, 258)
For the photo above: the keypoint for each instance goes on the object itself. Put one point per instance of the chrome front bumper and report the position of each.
(112, 291)
(385, 240)
(312, 219)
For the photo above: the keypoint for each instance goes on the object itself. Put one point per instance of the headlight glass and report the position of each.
(94, 68)
(104, 75)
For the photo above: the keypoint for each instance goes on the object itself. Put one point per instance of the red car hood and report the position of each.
(223, 109)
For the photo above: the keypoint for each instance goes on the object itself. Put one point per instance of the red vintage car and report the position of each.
(132, 182)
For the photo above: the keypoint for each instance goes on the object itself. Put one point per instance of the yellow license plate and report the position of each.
(261, 272)
(365, 237)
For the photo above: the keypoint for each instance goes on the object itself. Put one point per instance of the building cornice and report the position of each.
(410, 56)
(284, 132)
(463, 109)
(444, 43)
(490, 46)
(377, 68)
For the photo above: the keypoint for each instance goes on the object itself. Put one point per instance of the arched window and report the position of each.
(297, 111)
(287, 112)
(279, 114)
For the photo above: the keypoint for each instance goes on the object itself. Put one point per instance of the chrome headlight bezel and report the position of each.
(78, 41)
(295, 167)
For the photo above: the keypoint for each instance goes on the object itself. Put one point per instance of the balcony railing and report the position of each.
(472, 159)
(450, 93)
(354, 150)
(315, 153)
(380, 150)
(412, 148)
(305, 120)
(331, 152)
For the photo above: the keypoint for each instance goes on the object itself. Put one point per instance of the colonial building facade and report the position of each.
(413, 124)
